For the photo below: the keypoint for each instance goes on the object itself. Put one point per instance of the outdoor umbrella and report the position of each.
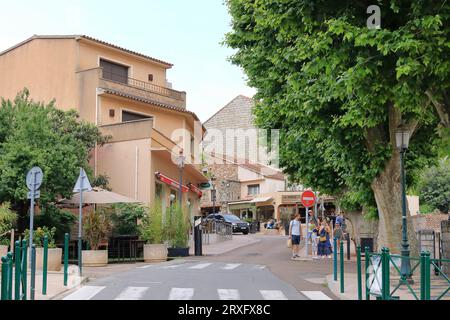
(99, 196)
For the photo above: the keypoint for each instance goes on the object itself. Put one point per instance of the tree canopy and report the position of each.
(338, 90)
(34, 134)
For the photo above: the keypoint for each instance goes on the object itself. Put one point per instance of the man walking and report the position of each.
(295, 234)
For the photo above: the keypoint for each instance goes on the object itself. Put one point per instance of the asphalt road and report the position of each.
(261, 271)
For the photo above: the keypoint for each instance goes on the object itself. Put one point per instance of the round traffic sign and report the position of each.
(34, 178)
(308, 199)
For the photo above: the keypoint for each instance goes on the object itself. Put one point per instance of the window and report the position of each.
(253, 189)
(158, 191)
(192, 145)
(130, 116)
(113, 71)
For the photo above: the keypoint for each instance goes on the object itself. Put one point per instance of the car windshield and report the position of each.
(231, 218)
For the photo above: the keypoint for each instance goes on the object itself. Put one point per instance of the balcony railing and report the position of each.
(150, 87)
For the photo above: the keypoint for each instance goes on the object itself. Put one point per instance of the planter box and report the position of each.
(53, 259)
(95, 258)
(178, 252)
(155, 252)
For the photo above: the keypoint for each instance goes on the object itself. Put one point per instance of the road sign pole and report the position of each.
(33, 191)
(80, 221)
(306, 242)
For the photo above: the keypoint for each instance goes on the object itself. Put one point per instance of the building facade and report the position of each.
(126, 94)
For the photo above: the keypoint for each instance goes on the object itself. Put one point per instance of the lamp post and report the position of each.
(181, 166)
(402, 136)
(213, 195)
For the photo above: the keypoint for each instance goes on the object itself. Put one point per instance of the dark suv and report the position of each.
(238, 224)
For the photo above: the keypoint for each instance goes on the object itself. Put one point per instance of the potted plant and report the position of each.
(96, 227)
(7, 220)
(152, 231)
(177, 230)
(54, 254)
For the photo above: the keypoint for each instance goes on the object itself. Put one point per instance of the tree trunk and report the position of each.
(388, 195)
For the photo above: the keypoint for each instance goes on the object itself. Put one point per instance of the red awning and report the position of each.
(195, 189)
(170, 182)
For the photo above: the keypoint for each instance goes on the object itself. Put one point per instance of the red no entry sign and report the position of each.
(308, 198)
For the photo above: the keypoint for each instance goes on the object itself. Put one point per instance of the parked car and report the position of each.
(238, 224)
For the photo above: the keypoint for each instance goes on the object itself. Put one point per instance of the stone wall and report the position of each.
(358, 226)
(445, 237)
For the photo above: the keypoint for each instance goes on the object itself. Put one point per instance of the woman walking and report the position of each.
(324, 246)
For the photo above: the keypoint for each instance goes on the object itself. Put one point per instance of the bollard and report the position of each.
(422, 276)
(17, 275)
(341, 253)
(385, 278)
(335, 259)
(33, 271)
(44, 266)
(66, 257)
(4, 293)
(348, 246)
(10, 275)
(358, 270)
(24, 269)
(367, 264)
(427, 274)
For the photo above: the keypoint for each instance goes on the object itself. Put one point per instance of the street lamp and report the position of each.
(181, 159)
(402, 136)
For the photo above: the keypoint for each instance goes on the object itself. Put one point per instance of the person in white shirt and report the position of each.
(295, 234)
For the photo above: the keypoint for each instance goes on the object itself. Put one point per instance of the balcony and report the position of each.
(145, 90)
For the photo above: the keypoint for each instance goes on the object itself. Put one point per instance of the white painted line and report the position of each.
(259, 267)
(228, 294)
(316, 295)
(145, 267)
(273, 295)
(85, 293)
(181, 293)
(173, 266)
(231, 266)
(200, 266)
(132, 293)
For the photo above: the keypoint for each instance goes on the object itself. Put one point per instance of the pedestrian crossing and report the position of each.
(204, 265)
(140, 293)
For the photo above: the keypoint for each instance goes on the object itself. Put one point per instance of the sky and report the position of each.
(186, 33)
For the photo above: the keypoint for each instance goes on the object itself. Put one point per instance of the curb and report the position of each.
(59, 295)
(335, 288)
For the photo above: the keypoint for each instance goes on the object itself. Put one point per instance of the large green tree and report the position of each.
(338, 90)
(34, 134)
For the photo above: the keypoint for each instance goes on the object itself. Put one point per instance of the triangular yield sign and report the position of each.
(83, 183)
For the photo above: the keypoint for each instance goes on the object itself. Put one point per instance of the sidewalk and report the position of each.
(218, 248)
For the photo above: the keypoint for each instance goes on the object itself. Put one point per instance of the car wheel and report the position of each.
(245, 232)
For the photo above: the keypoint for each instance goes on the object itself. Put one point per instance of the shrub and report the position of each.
(96, 227)
(39, 234)
(152, 228)
(8, 219)
(125, 216)
(434, 187)
(51, 216)
(177, 227)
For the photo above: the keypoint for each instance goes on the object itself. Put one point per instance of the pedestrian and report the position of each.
(324, 246)
(295, 235)
(312, 224)
(338, 234)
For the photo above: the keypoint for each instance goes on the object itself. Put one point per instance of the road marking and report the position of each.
(228, 294)
(147, 266)
(231, 266)
(173, 266)
(132, 293)
(200, 266)
(260, 267)
(181, 293)
(316, 295)
(85, 293)
(273, 295)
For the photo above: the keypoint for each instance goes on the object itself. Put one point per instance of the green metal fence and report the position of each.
(384, 279)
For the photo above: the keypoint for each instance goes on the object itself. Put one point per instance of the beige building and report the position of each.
(127, 95)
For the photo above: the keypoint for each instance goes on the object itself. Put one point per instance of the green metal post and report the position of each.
(358, 268)
(17, 275)
(341, 253)
(66, 257)
(385, 284)
(367, 258)
(335, 259)
(4, 278)
(44, 266)
(33, 271)
(10, 275)
(427, 276)
(24, 269)
(422, 276)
